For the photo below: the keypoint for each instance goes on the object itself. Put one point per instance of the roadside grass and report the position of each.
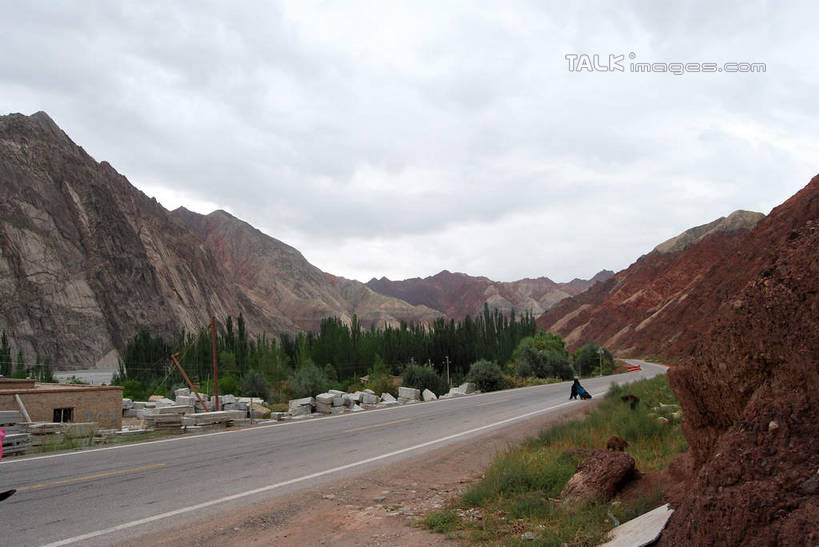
(516, 502)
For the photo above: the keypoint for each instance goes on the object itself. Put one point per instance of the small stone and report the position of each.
(528, 536)
(773, 425)
(662, 420)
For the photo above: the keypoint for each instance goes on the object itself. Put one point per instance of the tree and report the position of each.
(20, 369)
(308, 380)
(587, 360)
(5, 355)
(486, 375)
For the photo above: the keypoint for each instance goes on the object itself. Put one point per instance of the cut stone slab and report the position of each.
(182, 392)
(127, 403)
(306, 401)
(388, 398)
(173, 409)
(429, 395)
(336, 392)
(467, 388)
(297, 411)
(356, 408)
(641, 531)
(409, 393)
(221, 416)
(326, 398)
(371, 392)
(369, 398)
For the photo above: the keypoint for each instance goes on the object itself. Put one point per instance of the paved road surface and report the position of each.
(101, 496)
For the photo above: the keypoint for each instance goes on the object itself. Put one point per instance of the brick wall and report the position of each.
(90, 404)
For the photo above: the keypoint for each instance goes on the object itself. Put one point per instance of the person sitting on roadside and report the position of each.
(575, 385)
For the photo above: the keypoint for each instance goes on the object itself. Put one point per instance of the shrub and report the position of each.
(228, 385)
(424, 377)
(307, 381)
(134, 390)
(253, 384)
(486, 375)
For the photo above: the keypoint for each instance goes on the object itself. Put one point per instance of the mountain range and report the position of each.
(87, 260)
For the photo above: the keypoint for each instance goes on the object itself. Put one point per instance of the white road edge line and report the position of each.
(269, 487)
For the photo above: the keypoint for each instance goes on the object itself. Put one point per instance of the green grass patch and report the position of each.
(518, 496)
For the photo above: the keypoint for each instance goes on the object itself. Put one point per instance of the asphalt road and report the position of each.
(107, 495)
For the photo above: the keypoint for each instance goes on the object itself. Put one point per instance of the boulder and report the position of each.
(356, 408)
(387, 398)
(467, 388)
(260, 411)
(429, 395)
(409, 393)
(598, 477)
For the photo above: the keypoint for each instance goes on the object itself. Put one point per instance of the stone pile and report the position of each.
(335, 402)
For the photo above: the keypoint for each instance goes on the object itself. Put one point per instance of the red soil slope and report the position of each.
(653, 307)
(750, 393)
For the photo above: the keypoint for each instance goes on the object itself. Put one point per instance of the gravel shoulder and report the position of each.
(378, 507)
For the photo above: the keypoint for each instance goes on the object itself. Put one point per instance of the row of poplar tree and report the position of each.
(344, 350)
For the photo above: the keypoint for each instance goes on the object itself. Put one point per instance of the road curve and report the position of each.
(106, 495)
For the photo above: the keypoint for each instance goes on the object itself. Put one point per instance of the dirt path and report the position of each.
(371, 509)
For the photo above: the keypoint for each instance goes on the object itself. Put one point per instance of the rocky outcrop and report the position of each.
(86, 260)
(598, 478)
(738, 220)
(750, 394)
(653, 307)
(457, 294)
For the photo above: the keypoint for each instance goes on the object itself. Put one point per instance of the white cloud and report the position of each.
(402, 138)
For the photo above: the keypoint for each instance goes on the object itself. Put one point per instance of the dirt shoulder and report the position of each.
(375, 508)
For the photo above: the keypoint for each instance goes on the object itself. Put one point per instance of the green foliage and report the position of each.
(20, 369)
(228, 385)
(349, 349)
(486, 375)
(441, 521)
(253, 384)
(517, 491)
(586, 360)
(134, 390)
(543, 356)
(5, 355)
(308, 380)
(424, 377)
(227, 364)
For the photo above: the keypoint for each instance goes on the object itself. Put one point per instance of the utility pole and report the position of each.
(600, 353)
(215, 372)
(448, 381)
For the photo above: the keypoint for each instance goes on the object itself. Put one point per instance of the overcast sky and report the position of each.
(401, 139)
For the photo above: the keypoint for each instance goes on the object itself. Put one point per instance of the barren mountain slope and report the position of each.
(649, 308)
(458, 294)
(750, 393)
(86, 259)
(272, 273)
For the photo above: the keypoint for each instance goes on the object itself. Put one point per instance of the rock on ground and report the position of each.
(598, 477)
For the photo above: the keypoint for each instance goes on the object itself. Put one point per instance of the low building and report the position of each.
(64, 402)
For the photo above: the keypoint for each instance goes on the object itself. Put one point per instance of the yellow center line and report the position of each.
(90, 477)
(376, 425)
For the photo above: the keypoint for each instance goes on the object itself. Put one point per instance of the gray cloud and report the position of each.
(400, 139)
